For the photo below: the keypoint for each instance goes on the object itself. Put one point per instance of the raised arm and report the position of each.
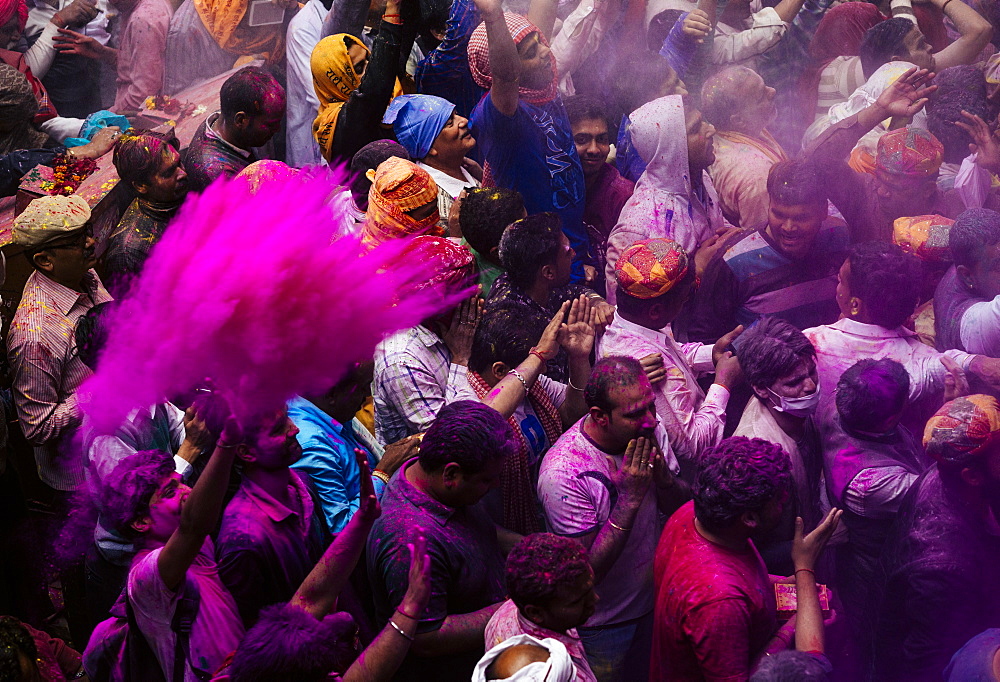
(974, 32)
(809, 633)
(788, 9)
(542, 13)
(632, 481)
(577, 337)
(505, 63)
(512, 390)
(381, 659)
(319, 591)
(201, 510)
(346, 16)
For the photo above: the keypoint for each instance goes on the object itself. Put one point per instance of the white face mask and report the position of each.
(797, 407)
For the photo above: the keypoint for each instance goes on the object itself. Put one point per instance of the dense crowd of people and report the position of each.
(708, 390)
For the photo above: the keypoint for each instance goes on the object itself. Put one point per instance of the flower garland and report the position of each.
(67, 175)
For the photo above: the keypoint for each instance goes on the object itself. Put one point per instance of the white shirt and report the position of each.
(980, 330)
(304, 31)
(448, 188)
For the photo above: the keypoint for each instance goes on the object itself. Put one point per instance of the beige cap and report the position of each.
(47, 218)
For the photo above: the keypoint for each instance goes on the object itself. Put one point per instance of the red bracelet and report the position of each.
(404, 613)
(809, 570)
(539, 356)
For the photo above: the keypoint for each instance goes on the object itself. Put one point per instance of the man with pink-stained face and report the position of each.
(273, 530)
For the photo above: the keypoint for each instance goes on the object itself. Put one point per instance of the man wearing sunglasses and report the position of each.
(55, 234)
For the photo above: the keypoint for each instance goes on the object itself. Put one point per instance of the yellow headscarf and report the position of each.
(334, 79)
(224, 20)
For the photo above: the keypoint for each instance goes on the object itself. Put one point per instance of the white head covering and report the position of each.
(559, 667)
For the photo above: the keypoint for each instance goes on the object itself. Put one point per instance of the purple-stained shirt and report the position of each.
(467, 568)
(507, 622)
(575, 488)
(140, 55)
(266, 549)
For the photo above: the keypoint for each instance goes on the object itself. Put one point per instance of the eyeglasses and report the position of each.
(78, 241)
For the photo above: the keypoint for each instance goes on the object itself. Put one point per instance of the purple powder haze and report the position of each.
(249, 290)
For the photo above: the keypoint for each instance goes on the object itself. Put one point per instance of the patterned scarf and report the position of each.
(515, 479)
(18, 107)
(479, 58)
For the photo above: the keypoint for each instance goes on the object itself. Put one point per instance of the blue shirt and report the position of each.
(445, 71)
(328, 459)
(533, 153)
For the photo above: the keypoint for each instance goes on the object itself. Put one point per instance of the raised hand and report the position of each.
(723, 344)
(576, 335)
(697, 25)
(636, 472)
(908, 94)
(368, 508)
(548, 343)
(418, 591)
(806, 549)
(984, 143)
(458, 337)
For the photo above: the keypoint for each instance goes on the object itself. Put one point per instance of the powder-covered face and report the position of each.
(633, 414)
(275, 446)
(701, 148)
(169, 183)
(802, 381)
(165, 508)
(593, 144)
(536, 63)
(264, 125)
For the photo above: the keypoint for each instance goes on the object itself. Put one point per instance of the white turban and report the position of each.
(559, 667)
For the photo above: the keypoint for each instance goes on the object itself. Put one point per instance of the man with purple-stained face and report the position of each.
(941, 563)
(252, 106)
(273, 530)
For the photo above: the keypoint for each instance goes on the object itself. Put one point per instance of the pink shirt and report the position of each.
(575, 488)
(140, 54)
(508, 622)
(217, 629)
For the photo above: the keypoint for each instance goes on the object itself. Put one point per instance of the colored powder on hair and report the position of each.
(249, 290)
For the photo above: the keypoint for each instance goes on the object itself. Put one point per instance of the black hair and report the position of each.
(975, 229)
(586, 107)
(486, 213)
(870, 392)
(15, 641)
(660, 27)
(739, 475)
(887, 280)
(646, 72)
(245, 91)
(370, 157)
(790, 666)
(610, 373)
(469, 434)
(92, 331)
(540, 564)
(882, 42)
(529, 244)
(795, 183)
(942, 114)
(772, 349)
(503, 335)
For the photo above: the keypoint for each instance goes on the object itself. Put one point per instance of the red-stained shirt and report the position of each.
(715, 608)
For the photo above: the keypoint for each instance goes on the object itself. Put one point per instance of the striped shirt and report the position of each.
(47, 370)
(837, 82)
(412, 371)
(749, 278)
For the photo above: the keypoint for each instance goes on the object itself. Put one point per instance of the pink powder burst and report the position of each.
(249, 290)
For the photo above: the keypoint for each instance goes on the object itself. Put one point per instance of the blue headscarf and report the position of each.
(417, 120)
